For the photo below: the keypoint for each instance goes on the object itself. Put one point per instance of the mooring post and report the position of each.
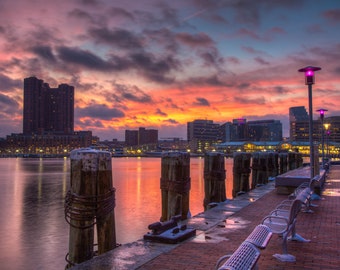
(260, 169)
(90, 201)
(214, 178)
(241, 172)
(175, 185)
(299, 160)
(273, 164)
(292, 160)
(283, 157)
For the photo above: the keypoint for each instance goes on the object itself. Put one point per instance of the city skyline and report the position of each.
(159, 65)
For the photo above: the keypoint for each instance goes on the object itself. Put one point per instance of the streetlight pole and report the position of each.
(322, 115)
(327, 126)
(309, 80)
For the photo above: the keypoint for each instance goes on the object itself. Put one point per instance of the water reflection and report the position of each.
(34, 233)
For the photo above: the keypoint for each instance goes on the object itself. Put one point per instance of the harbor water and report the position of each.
(34, 233)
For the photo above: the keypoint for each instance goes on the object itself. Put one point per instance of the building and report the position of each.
(202, 134)
(261, 130)
(239, 130)
(264, 130)
(47, 110)
(47, 144)
(298, 124)
(48, 122)
(333, 132)
(204, 130)
(141, 136)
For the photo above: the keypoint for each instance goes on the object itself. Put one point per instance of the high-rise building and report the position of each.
(298, 123)
(48, 122)
(47, 110)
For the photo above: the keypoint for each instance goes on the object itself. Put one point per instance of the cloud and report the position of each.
(154, 69)
(80, 14)
(212, 58)
(99, 111)
(202, 102)
(119, 38)
(195, 40)
(251, 50)
(44, 52)
(122, 13)
(213, 80)
(249, 100)
(83, 58)
(261, 61)
(160, 112)
(332, 15)
(131, 93)
(7, 84)
(171, 121)
(280, 90)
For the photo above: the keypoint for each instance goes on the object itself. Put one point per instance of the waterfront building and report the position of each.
(142, 136)
(265, 130)
(298, 124)
(243, 130)
(202, 134)
(47, 144)
(47, 110)
(48, 122)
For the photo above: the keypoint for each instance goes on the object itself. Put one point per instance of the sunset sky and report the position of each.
(161, 64)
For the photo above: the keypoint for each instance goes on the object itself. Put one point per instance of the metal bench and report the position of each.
(305, 193)
(260, 236)
(282, 222)
(245, 257)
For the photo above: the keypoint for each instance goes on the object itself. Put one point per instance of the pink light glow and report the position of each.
(309, 73)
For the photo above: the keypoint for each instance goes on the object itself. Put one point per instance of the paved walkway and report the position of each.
(202, 252)
(322, 227)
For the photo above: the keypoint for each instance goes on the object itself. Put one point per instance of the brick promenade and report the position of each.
(322, 227)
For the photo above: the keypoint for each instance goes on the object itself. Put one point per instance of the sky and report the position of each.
(161, 64)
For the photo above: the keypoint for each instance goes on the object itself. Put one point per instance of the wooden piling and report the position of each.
(292, 161)
(241, 172)
(260, 172)
(175, 185)
(90, 201)
(214, 178)
(283, 163)
(272, 164)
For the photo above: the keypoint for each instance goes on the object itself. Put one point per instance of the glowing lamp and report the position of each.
(322, 113)
(309, 74)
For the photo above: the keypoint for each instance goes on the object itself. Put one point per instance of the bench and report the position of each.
(305, 193)
(282, 221)
(246, 256)
(260, 236)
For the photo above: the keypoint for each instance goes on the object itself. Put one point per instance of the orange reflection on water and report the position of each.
(138, 193)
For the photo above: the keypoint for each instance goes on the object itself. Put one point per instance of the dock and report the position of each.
(220, 230)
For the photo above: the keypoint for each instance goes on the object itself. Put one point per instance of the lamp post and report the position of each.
(327, 126)
(322, 115)
(309, 80)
